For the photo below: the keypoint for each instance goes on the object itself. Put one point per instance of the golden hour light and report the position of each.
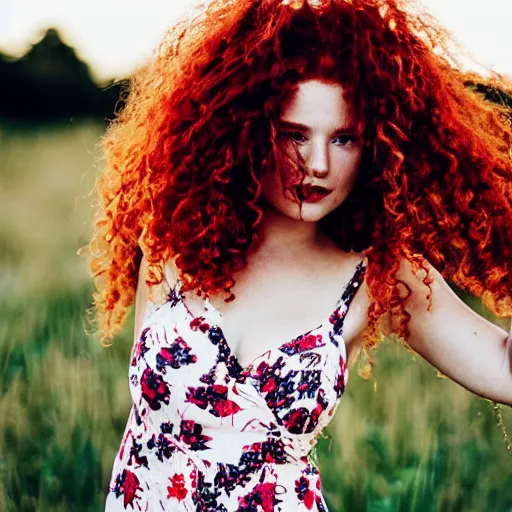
(255, 255)
(117, 36)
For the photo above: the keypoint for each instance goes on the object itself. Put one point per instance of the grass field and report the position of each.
(406, 441)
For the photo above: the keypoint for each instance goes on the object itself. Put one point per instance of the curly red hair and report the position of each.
(185, 155)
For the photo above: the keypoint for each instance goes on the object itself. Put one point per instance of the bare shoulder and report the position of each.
(148, 297)
(142, 297)
(416, 280)
(171, 272)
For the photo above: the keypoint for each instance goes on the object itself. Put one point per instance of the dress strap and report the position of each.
(354, 284)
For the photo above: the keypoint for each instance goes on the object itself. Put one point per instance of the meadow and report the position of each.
(408, 440)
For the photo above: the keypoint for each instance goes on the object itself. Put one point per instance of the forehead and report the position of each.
(317, 102)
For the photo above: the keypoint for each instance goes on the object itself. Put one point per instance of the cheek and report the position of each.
(347, 167)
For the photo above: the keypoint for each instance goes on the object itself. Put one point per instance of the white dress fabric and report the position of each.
(205, 434)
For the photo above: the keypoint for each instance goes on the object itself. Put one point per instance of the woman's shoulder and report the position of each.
(149, 297)
(157, 293)
(352, 259)
(170, 272)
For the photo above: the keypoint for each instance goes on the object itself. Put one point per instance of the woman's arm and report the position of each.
(457, 341)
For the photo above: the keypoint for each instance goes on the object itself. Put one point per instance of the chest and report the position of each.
(270, 312)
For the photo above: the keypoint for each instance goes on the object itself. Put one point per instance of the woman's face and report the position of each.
(320, 124)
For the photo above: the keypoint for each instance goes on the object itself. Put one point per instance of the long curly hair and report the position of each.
(184, 156)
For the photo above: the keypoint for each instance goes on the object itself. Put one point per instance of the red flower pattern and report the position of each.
(224, 427)
(177, 488)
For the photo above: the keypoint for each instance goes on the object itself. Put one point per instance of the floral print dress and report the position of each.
(206, 434)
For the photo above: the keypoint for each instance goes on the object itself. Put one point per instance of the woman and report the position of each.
(288, 183)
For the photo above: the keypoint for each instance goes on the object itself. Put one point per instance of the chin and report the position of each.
(309, 213)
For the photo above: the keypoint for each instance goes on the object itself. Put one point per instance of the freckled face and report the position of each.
(320, 124)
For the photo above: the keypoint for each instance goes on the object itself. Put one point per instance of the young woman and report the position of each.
(289, 182)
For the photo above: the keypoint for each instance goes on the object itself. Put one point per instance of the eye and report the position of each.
(297, 137)
(343, 140)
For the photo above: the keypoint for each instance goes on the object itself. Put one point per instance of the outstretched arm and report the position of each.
(457, 341)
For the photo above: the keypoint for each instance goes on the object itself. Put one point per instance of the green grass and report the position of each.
(407, 441)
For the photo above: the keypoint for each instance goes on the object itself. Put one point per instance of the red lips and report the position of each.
(308, 191)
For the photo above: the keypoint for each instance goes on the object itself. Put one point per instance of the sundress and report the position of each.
(206, 434)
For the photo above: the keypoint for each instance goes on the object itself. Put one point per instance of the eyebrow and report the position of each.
(304, 128)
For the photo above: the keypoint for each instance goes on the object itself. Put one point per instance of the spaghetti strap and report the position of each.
(354, 284)
(202, 421)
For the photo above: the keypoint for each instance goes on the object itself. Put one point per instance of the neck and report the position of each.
(284, 237)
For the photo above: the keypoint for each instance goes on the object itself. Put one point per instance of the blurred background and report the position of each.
(406, 441)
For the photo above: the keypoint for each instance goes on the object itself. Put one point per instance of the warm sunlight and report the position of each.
(115, 36)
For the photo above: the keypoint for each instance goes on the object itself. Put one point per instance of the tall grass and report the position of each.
(406, 441)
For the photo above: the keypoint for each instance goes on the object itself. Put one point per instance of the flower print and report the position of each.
(175, 356)
(225, 408)
(154, 389)
(164, 447)
(304, 493)
(313, 418)
(204, 497)
(313, 359)
(255, 454)
(295, 420)
(281, 388)
(198, 396)
(140, 347)
(341, 379)
(224, 355)
(302, 343)
(322, 399)
(301, 420)
(268, 403)
(267, 492)
(198, 323)
(166, 427)
(127, 484)
(135, 454)
(190, 434)
(193, 477)
(333, 339)
(215, 335)
(138, 419)
(309, 383)
(174, 296)
(177, 488)
(231, 476)
(219, 390)
(336, 319)
(261, 369)
(263, 497)
(269, 385)
(215, 396)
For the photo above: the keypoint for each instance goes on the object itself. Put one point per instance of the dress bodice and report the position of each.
(206, 434)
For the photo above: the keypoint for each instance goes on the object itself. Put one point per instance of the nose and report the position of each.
(319, 159)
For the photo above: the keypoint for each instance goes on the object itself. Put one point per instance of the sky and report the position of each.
(117, 36)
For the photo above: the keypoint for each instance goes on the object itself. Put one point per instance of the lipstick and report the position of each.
(313, 194)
